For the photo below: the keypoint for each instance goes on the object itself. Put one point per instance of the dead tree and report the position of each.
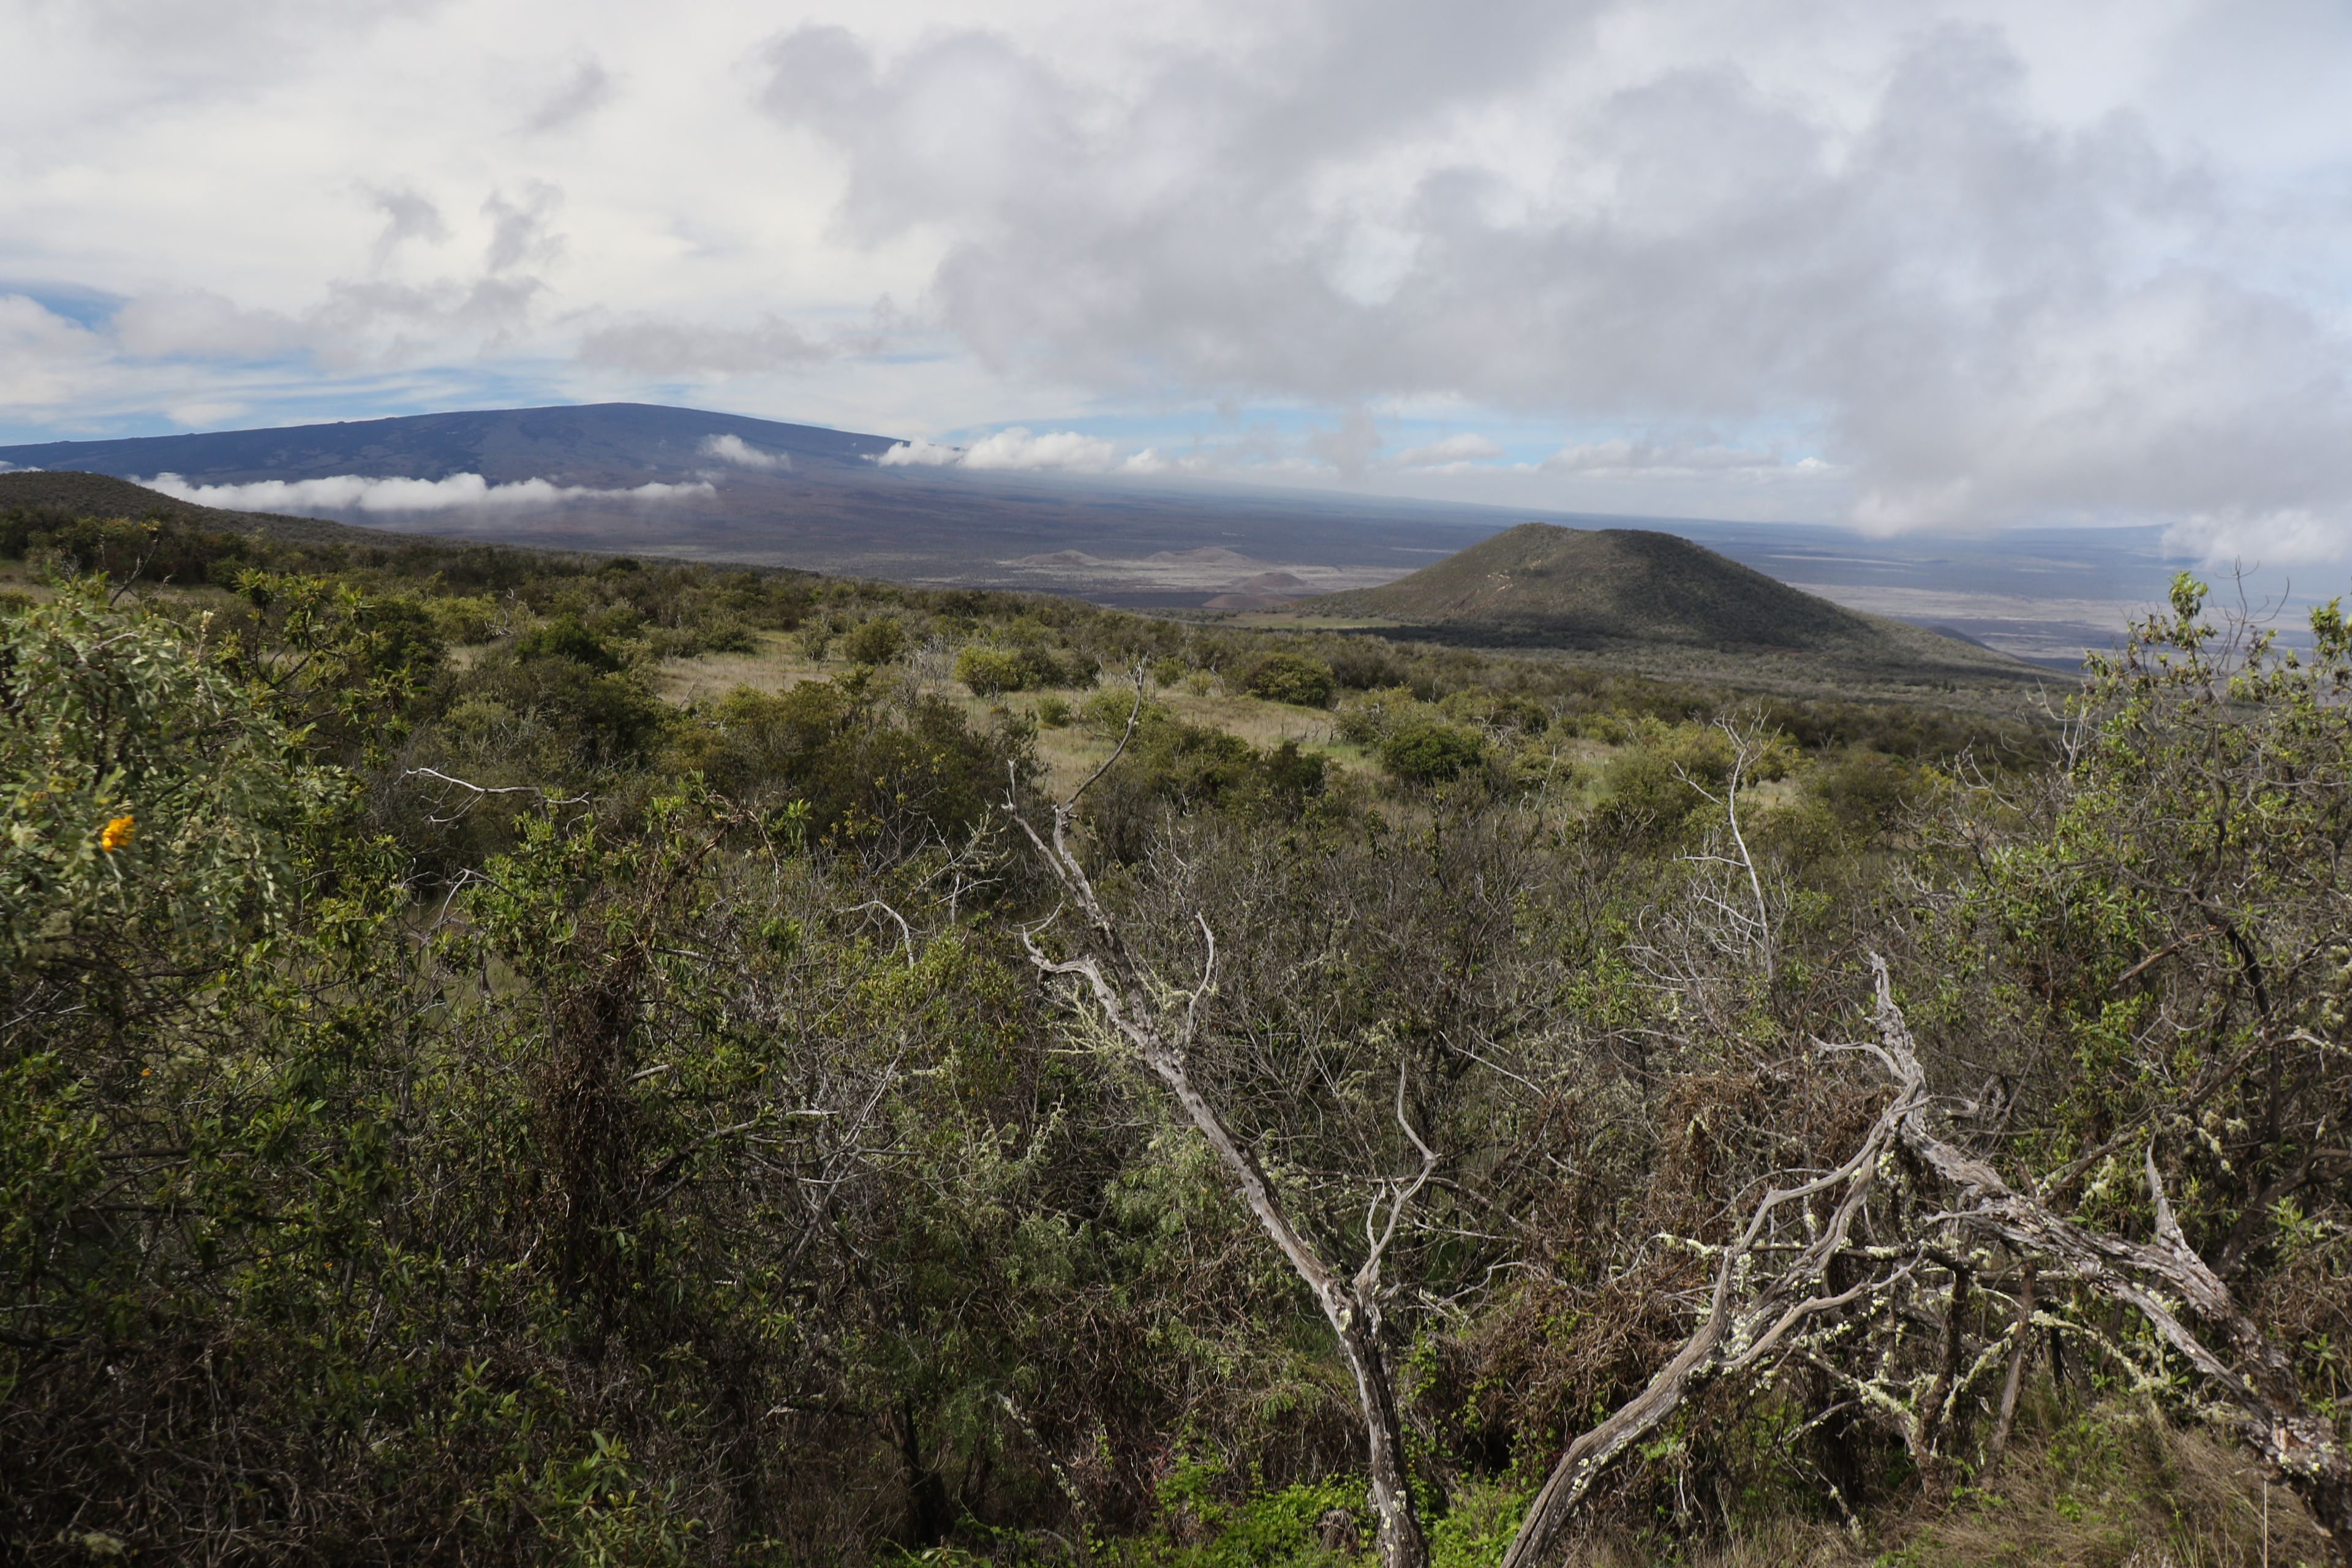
(1146, 1019)
(2162, 1280)
(1758, 1311)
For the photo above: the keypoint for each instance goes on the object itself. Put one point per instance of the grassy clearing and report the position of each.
(1067, 753)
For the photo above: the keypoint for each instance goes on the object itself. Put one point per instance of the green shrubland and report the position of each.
(458, 1104)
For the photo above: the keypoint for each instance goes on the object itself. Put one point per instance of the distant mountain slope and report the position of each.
(75, 495)
(791, 495)
(604, 443)
(1622, 589)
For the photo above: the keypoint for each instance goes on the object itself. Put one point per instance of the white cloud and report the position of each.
(919, 454)
(742, 454)
(354, 492)
(51, 360)
(685, 348)
(1445, 453)
(1959, 248)
(2295, 537)
(199, 324)
(1067, 450)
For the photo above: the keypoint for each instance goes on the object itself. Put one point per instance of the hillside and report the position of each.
(1654, 597)
(70, 494)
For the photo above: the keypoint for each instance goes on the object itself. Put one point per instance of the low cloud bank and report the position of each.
(354, 492)
(743, 455)
(2223, 541)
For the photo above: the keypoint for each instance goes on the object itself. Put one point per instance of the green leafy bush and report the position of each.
(152, 802)
(565, 638)
(877, 640)
(1429, 751)
(860, 762)
(1284, 677)
(989, 669)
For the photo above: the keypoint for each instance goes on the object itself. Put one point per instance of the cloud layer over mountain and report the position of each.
(357, 493)
(1927, 264)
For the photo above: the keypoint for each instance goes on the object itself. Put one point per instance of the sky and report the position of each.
(1903, 266)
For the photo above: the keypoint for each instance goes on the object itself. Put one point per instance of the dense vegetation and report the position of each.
(459, 1103)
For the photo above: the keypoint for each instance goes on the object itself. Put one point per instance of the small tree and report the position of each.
(1158, 1024)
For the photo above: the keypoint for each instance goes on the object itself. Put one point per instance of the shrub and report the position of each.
(1055, 712)
(565, 638)
(1864, 790)
(152, 799)
(1364, 666)
(1107, 712)
(1365, 720)
(463, 619)
(1497, 710)
(913, 767)
(1282, 676)
(1190, 767)
(989, 669)
(1430, 751)
(877, 641)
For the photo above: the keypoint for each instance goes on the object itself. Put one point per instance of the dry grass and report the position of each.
(2114, 1486)
(1067, 755)
(2119, 1485)
(776, 664)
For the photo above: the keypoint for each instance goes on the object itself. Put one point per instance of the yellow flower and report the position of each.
(116, 834)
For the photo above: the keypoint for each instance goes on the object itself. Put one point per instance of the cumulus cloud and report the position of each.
(1017, 449)
(742, 454)
(355, 492)
(1067, 450)
(199, 323)
(1989, 307)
